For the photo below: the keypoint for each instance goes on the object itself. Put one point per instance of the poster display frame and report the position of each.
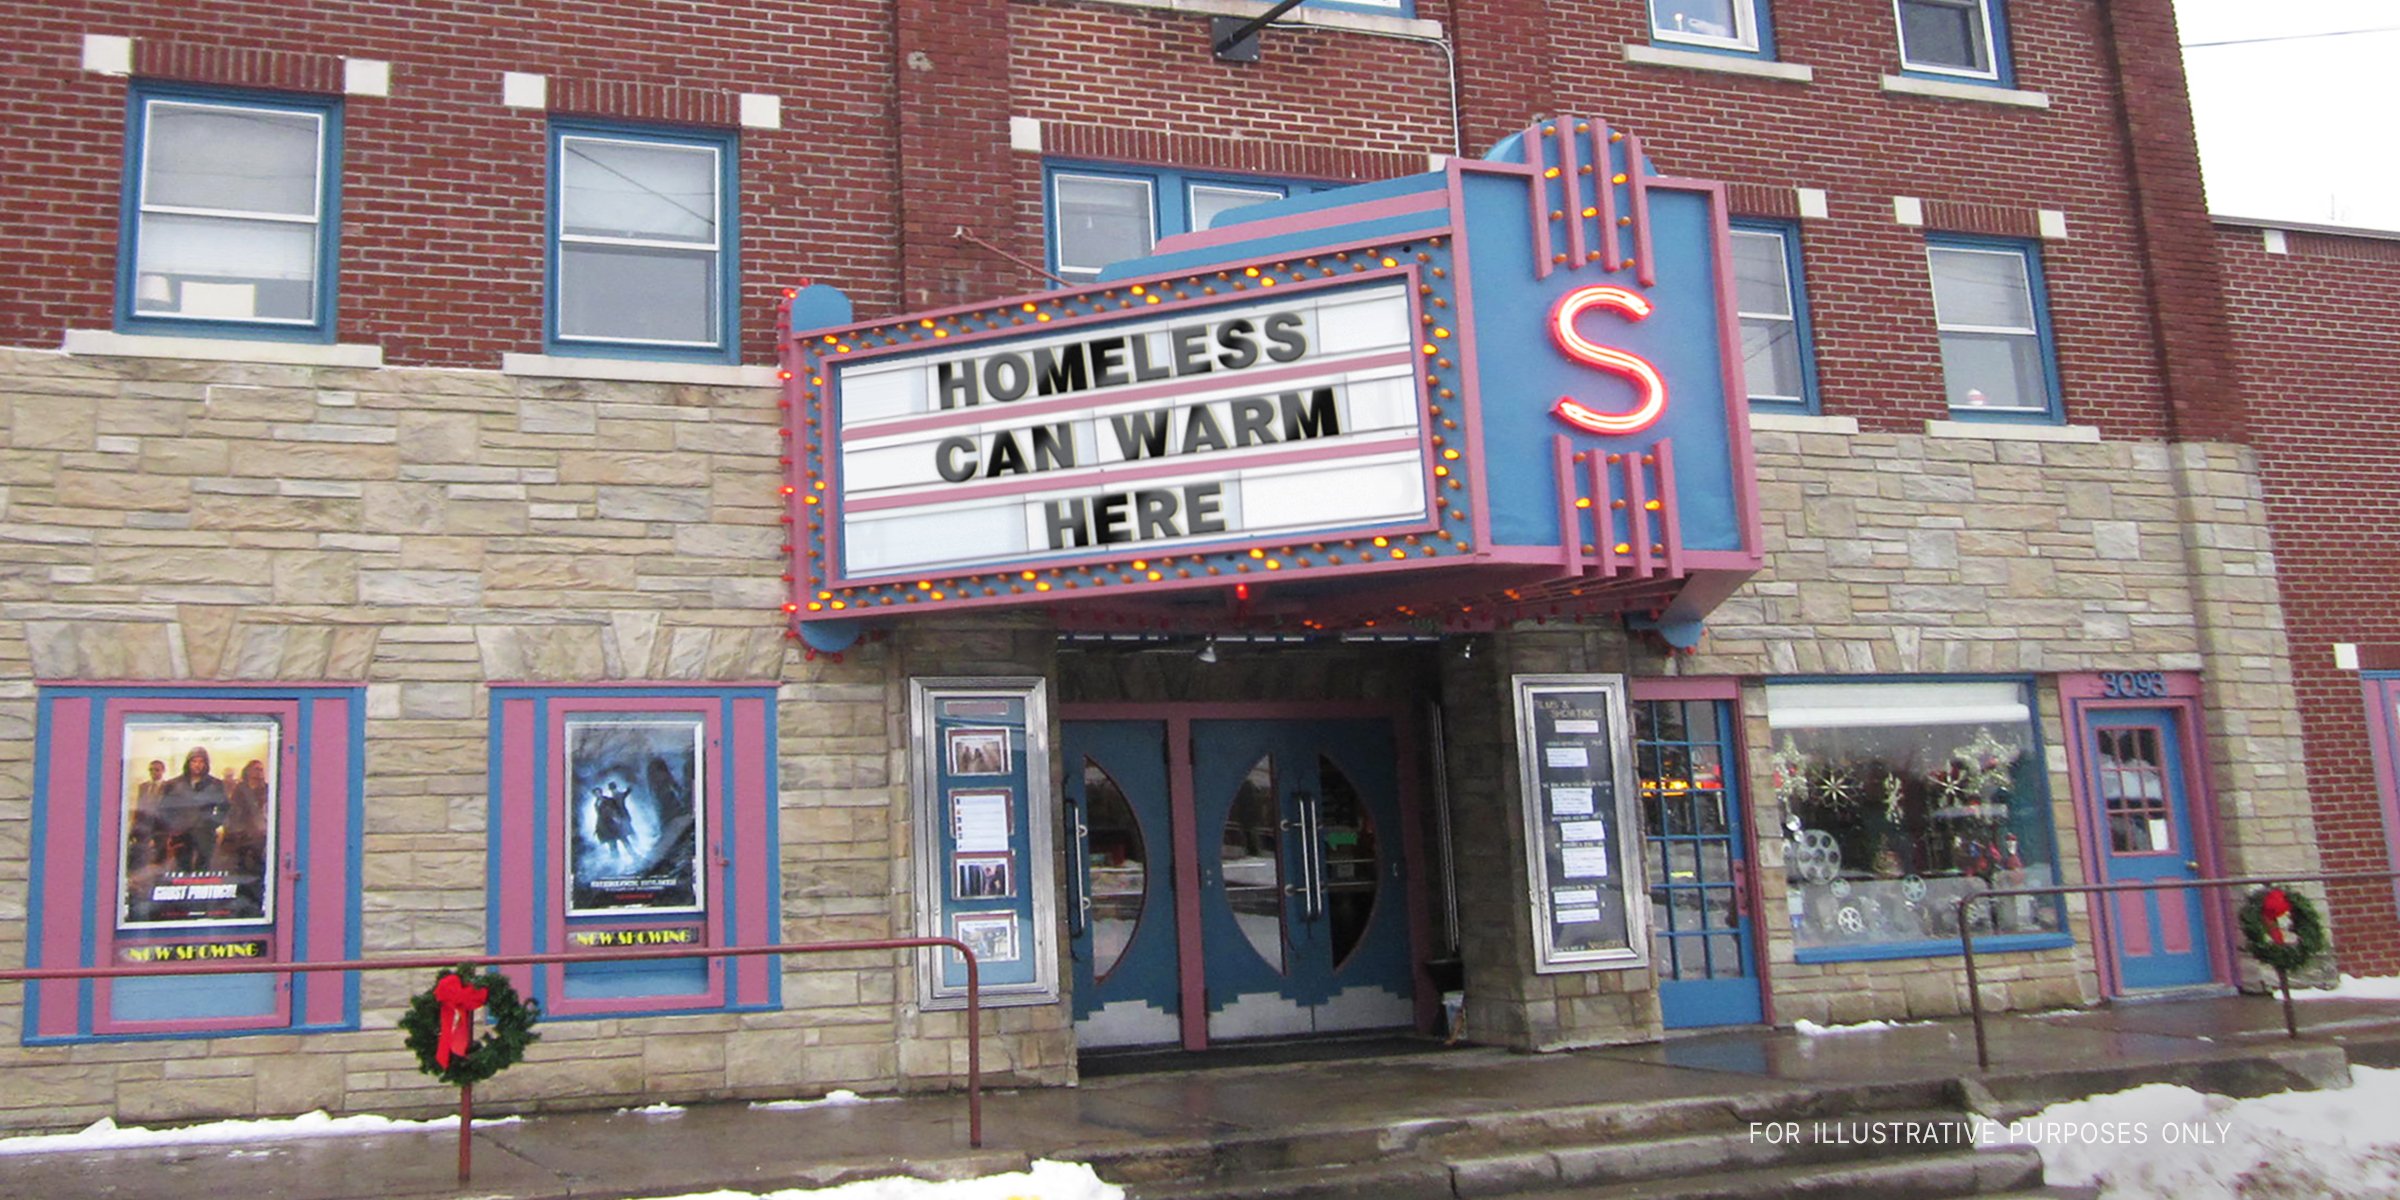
(1545, 831)
(941, 709)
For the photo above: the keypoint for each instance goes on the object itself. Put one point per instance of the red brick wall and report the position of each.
(895, 140)
(2314, 331)
(443, 187)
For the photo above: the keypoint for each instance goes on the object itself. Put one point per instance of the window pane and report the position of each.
(637, 294)
(1892, 818)
(226, 268)
(1981, 288)
(1696, 18)
(645, 190)
(1101, 221)
(1771, 359)
(1761, 274)
(1994, 370)
(247, 160)
(1209, 203)
(1943, 33)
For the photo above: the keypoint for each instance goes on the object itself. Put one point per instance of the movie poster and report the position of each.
(200, 806)
(633, 814)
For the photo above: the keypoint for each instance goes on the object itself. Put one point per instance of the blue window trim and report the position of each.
(1762, 33)
(86, 950)
(1995, 32)
(1170, 195)
(1796, 283)
(1387, 8)
(320, 328)
(2037, 282)
(728, 346)
(1999, 943)
(2030, 687)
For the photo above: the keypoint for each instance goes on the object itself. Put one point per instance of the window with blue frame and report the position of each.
(231, 205)
(1387, 8)
(1961, 39)
(1733, 26)
(1997, 358)
(194, 825)
(1896, 799)
(642, 243)
(635, 818)
(1777, 359)
(1106, 214)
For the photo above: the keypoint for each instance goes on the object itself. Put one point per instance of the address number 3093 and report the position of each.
(2132, 685)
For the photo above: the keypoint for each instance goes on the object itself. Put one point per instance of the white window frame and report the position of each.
(1789, 317)
(1744, 37)
(561, 239)
(1982, 10)
(314, 221)
(1058, 214)
(2033, 332)
(1191, 197)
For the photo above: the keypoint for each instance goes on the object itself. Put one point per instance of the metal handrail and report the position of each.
(1966, 931)
(437, 962)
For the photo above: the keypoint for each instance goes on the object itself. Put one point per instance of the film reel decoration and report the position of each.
(1913, 889)
(1816, 856)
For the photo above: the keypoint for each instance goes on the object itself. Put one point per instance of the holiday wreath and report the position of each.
(440, 1023)
(2282, 929)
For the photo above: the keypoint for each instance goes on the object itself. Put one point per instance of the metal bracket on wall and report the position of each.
(1236, 40)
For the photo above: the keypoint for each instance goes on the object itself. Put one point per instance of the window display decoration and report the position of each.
(1897, 799)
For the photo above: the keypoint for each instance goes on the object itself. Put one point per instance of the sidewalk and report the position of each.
(1145, 1126)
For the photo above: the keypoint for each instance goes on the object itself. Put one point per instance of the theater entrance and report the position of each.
(1236, 873)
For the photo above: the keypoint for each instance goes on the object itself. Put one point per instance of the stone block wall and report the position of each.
(428, 533)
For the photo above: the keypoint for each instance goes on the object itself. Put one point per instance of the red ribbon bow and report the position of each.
(2275, 906)
(459, 1003)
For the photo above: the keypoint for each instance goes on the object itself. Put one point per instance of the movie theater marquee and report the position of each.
(1271, 418)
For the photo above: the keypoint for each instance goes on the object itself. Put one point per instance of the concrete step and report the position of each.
(1957, 1173)
(2004, 1171)
(1777, 1144)
(1501, 1134)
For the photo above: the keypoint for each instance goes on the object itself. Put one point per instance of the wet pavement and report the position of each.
(1122, 1121)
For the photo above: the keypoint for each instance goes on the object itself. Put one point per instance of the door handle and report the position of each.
(1313, 852)
(1079, 837)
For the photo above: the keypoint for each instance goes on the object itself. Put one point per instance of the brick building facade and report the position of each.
(431, 540)
(2313, 318)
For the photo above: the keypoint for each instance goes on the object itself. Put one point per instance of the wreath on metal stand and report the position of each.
(2283, 930)
(440, 1024)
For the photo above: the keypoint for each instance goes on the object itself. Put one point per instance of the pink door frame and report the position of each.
(2085, 692)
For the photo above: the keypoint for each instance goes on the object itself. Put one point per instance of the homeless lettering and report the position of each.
(1141, 514)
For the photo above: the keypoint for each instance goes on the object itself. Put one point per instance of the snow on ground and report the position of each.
(2164, 1142)
(1046, 1181)
(105, 1134)
(1807, 1028)
(2353, 988)
(837, 1098)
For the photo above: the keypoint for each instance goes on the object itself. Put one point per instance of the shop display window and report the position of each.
(635, 818)
(1896, 799)
(194, 825)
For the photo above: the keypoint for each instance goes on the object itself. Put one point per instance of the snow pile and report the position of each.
(1046, 1181)
(2354, 988)
(2164, 1142)
(837, 1098)
(1807, 1028)
(105, 1134)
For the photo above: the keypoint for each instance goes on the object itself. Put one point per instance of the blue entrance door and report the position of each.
(1295, 920)
(2138, 786)
(1697, 858)
(1121, 907)
(1303, 913)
